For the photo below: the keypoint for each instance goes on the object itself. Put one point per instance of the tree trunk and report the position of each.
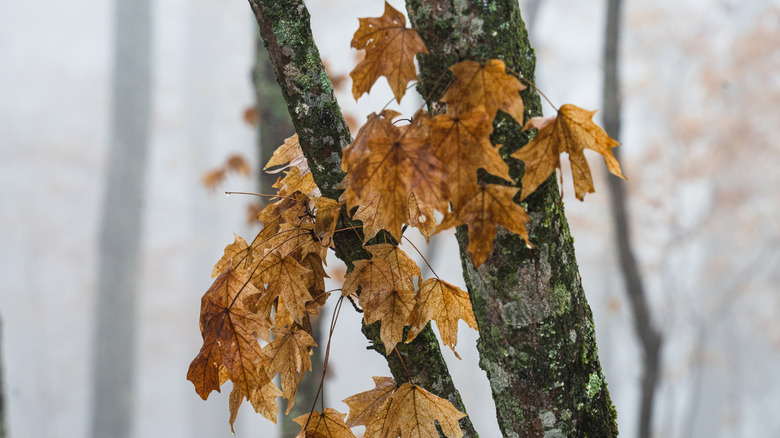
(323, 133)
(537, 340)
(119, 240)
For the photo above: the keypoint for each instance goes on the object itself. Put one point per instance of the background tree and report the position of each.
(549, 378)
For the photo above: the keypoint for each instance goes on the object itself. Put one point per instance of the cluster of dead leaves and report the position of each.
(255, 317)
(396, 172)
(266, 291)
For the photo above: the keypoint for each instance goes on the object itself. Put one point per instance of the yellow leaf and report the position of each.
(370, 408)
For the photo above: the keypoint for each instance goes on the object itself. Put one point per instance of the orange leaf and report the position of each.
(370, 408)
(289, 354)
(390, 49)
(462, 143)
(263, 399)
(329, 424)
(420, 217)
(482, 210)
(289, 152)
(572, 131)
(395, 167)
(444, 303)
(228, 329)
(413, 411)
(486, 86)
(287, 278)
(376, 126)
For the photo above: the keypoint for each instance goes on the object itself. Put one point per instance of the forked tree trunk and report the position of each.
(537, 339)
(537, 342)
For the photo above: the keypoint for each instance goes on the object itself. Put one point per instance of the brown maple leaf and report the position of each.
(370, 408)
(228, 328)
(290, 355)
(482, 210)
(236, 255)
(421, 217)
(413, 411)
(485, 86)
(390, 48)
(329, 424)
(263, 399)
(289, 154)
(287, 278)
(444, 303)
(463, 145)
(571, 131)
(395, 167)
(376, 126)
(326, 216)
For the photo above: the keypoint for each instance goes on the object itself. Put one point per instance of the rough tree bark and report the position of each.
(649, 337)
(536, 331)
(537, 341)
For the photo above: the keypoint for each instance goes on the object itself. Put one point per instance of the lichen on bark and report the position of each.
(537, 343)
(323, 133)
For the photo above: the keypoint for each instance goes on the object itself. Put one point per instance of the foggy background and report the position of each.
(109, 235)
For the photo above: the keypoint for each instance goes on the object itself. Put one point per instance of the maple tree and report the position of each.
(395, 176)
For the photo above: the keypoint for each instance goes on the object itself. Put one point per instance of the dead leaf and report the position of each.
(413, 411)
(486, 86)
(329, 424)
(444, 303)
(390, 48)
(290, 355)
(571, 131)
(482, 210)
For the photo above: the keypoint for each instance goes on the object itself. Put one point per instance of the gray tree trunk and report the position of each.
(119, 239)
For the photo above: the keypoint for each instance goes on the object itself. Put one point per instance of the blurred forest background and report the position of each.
(113, 113)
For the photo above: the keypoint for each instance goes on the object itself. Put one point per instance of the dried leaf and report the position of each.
(263, 399)
(290, 355)
(289, 152)
(390, 48)
(444, 303)
(482, 210)
(376, 126)
(370, 408)
(228, 330)
(287, 278)
(420, 217)
(329, 424)
(571, 131)
(462, 143)
(485, 86)
(413, 411)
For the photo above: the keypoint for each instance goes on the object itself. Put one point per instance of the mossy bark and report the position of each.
(323, 133)
(537, 342)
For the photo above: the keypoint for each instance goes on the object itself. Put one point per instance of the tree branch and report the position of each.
(323, 133)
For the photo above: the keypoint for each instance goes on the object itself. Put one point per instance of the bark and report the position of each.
(119, 242)
(649, 337)
(537, 340)
(323, 133)
(273, 127)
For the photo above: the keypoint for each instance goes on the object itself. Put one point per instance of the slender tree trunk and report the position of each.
(119, 239)
(537, 341)
(649, 337)
(274, 126)
(323, 133)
